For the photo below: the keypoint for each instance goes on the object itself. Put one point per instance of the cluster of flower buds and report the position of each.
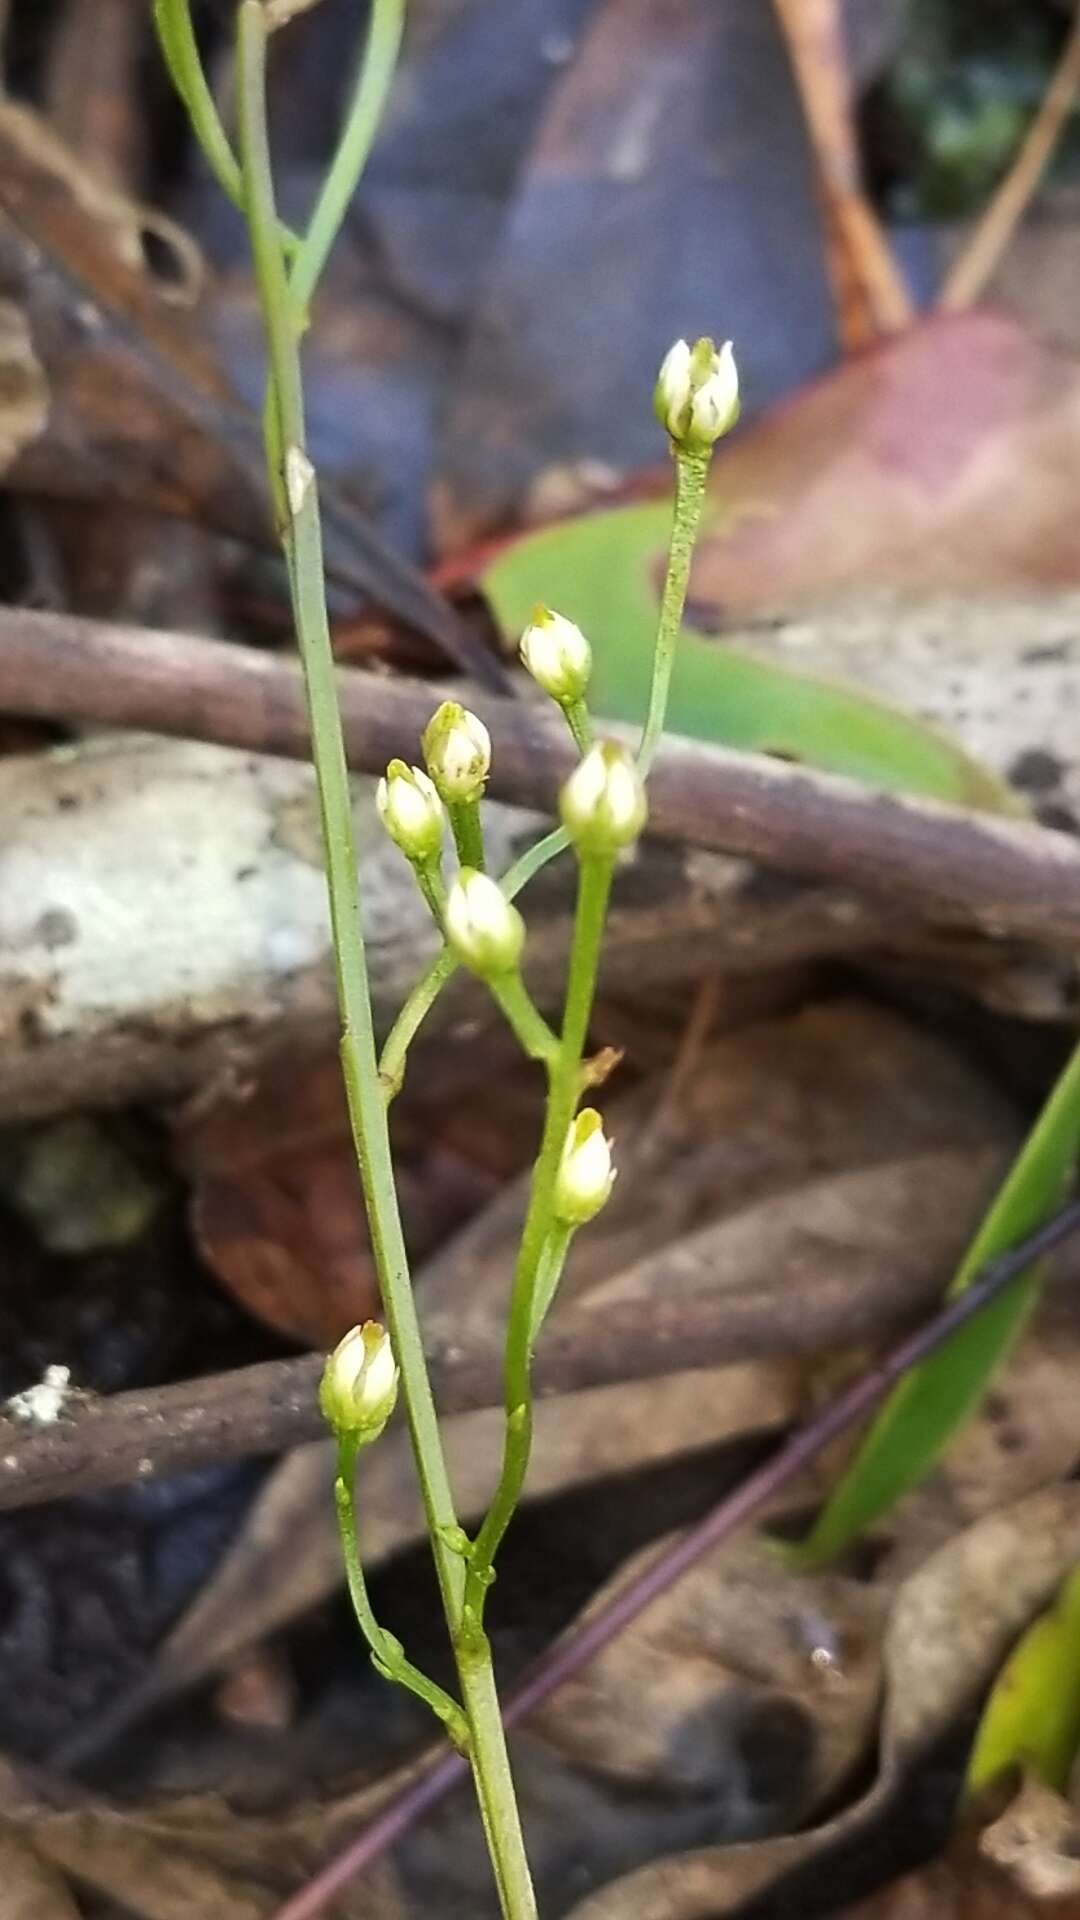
(484, 928)
(585, 1175)
(697, 394)
(359, 1384)
(457, 754)
(602, 804)
(558, 656)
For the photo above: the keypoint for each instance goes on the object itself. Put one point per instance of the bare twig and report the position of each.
(265, 1409)
(868, 290)
(971, 272)
(581, 1645)
(1001, 876)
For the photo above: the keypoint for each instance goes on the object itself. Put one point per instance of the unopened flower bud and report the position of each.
(411, 812)
(603, 802)
(697, 394)
(558, 656)
(457, 750)
(360, 1383)
(585, 1175)
(484, 928)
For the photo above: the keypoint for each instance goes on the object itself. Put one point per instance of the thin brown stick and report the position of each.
(970, 274)
(265, 1409)
(604, 1624)
(868, 289)
(1000, 876)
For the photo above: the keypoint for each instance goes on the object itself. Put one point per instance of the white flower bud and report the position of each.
(603, 802)
(697, 394)
(359, 1383)
(585, 1175)
(558, 656)
(484, 928)
(411, 812)
(457, 750)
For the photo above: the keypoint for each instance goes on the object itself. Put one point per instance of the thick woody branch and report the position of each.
(1000, 876)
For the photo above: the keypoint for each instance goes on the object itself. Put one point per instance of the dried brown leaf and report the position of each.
(951, 1623)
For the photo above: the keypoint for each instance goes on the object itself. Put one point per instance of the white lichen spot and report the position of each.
(44, 1403)
(299, 474)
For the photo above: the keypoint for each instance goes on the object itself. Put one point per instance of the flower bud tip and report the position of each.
(557, 654)
(411, 811)
(585, 1174)
(359, 1383)
(457, 752)
(697, 394)
(602, 804)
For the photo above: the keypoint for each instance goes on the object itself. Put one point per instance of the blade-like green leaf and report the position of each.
(604, 570)
(1032, 1718)
(924, 1411)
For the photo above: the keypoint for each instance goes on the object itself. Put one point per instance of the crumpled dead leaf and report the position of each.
(744, 1685)
(951, 1623)
(33, 1890)
(1023, 1866)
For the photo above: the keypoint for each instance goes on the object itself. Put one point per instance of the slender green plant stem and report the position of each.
(303, 542)
(528, 1023)
(430, 985)
(296, 490)
(410, 1019)
(580, 725)
(691, 471)
(468, 834)
(528, 864)
(180, 48)
(548, 1274)
(564, 1091)
(374, 76)
(176, 36)
(386, 1650)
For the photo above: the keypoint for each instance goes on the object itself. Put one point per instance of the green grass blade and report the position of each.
(1032, 1718)
(921, 1416)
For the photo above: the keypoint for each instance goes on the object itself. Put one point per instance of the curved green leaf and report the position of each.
(1032, 1718)
(924, 1411)
(603, 570)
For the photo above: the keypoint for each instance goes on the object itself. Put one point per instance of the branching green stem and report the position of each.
(564, 1091)
(548, 1274)
(386, 1651)
(176, 37)
(375, 73)
(430, 985)
(296, 495)
(691, 471)
(528, 1023)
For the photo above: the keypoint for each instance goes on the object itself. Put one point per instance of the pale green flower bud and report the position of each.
(484, 928)
(558, 656)
(457, 751)
(411, 812)
(585, 1175)
(603, 803)
(360, 1383)
(697, 394)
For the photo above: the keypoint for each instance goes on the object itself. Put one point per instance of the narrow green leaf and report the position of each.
(1032, 1718)
(924, 1411)
(604, 570)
